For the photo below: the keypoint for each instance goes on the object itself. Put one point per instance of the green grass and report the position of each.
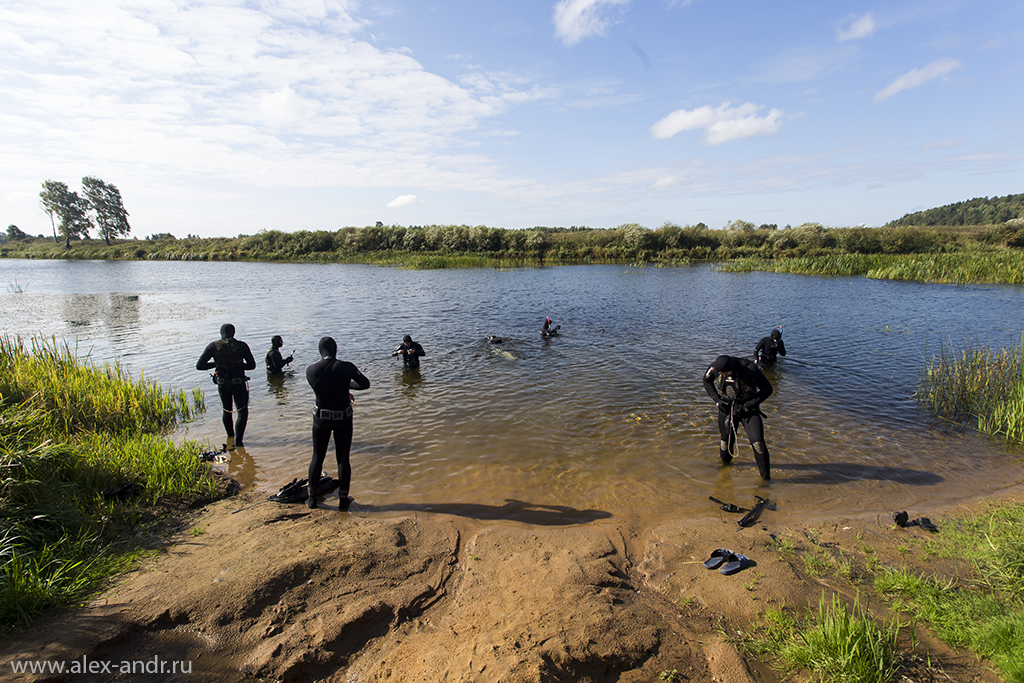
(978, 386)
(68, 431)
(837, 643)
(983, 607)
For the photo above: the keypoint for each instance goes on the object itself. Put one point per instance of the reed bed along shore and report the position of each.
(978, 386)
(1005, 267)
(71, 435)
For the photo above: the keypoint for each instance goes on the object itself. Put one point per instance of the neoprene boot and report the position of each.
(343, 500)
(764, 463)
(311, 495)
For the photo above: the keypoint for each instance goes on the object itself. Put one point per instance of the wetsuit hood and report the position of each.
(328, 347)
(724, 364)
(276, 341)
(407, 339)
(227, 331)
(776, 334)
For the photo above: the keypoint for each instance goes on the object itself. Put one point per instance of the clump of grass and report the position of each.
(979, 386)
(68, 431)
(838, 643)
(847, 645)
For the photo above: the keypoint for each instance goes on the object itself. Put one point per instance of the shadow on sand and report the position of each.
(512, 510)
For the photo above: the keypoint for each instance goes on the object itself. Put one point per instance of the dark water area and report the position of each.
(608, 421)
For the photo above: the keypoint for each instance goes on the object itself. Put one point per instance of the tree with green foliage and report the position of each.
(977, 211)
(14, 233)
(107, 209)
(70, 209)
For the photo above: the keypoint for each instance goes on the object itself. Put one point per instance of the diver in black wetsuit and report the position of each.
(769, 347)
(738, 387)
(410, 352)
(331, 380)
(275, 363)
(231, 358)
(547, 331)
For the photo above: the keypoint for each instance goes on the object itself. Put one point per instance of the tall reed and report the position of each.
(68, 432)
(978, 386)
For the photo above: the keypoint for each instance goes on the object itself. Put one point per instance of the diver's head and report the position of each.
(227, 331)
(724, 364)
(328, 347)
(407, 339)
(276, 341)
(776, 334)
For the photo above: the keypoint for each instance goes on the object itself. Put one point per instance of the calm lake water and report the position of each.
(608, 421)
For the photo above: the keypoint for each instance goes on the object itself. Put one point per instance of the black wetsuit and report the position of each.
(739, 397)
(768, 348)
(231, 358)
(331, 380)
(410, 353)
(275, 362)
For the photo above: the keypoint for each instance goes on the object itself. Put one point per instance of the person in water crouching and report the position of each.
(275, 363)
(231, 358)
(331, 380)
(410, 352)
(769, 347)
(738, 387)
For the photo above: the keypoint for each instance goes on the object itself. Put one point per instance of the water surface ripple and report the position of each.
(608, 420)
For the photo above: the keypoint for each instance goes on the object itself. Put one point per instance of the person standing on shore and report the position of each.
(738, 387)
(230, 359)
(331, 380)
(410, 352)
(275, 363)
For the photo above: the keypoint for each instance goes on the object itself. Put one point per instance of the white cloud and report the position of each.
(664, 183)
(268, 94)
(858, 28)
(918, 77)
(579, 19)
(719, 125)
(283, 108)
(404, 200)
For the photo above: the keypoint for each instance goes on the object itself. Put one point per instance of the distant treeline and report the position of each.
(440, 246)
(978, 211)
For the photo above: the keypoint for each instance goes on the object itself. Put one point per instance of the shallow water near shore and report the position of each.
(606, 423)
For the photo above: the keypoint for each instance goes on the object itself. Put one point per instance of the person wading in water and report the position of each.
(738, 387)
(231, 358)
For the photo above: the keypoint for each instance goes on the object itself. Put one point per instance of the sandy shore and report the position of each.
(279, 592)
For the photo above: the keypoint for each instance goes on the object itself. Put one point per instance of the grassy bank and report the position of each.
(977, 386)
(983, 609)
(70, 431)
(967, 587)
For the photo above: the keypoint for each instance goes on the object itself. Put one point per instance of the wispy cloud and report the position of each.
(719, 125)
(943, 144)
(918, 77)
(579, 19)
(404, 200)
(856, 29)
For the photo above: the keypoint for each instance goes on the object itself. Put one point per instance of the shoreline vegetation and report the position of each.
(989, 253)
(87, 475)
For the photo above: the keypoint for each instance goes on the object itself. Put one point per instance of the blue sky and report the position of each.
(226, 118)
